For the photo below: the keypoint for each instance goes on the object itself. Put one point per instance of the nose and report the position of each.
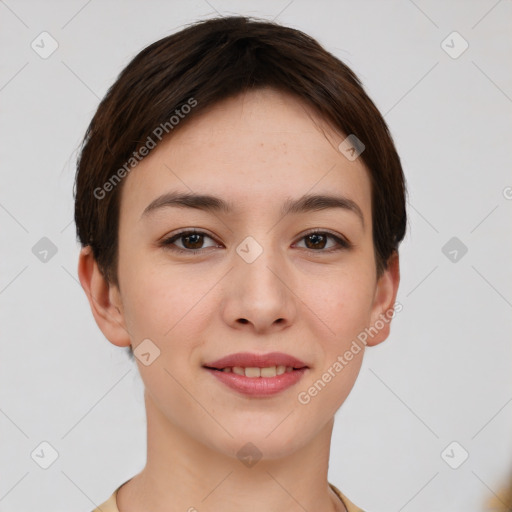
(259, 296)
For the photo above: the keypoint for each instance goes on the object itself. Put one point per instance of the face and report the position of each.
(252, 278)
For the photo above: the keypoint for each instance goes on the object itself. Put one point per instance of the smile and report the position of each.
(251, 372)
(258, 382)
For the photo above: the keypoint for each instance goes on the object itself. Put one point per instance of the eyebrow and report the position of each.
(209, 203)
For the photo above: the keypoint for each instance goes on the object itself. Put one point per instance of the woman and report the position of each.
(240, 204)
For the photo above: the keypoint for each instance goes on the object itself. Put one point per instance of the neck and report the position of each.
(185, 473)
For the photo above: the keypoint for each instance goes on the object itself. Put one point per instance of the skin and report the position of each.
(255, 150)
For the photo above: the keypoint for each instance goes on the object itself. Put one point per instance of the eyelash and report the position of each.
(168, 242)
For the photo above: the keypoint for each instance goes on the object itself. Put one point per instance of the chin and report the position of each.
(249, 445)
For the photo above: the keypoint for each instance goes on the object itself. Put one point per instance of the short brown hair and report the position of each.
(209, 61)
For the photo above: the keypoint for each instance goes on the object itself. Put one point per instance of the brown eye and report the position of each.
(191, 241)
(195, 240)
(317, 241)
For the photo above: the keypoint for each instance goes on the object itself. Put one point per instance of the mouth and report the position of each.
(257, 372)
(252, 364)
(256, 382)
(257, 375)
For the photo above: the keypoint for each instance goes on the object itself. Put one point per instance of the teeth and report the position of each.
(270, 371)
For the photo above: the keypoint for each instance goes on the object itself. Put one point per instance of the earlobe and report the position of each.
(104, 299)
(384, 300)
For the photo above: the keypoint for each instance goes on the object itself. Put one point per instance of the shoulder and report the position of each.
(111, 504)
(348, 504)
(108, 506)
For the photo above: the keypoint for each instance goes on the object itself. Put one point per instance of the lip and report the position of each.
(247, 359)
(258, 386)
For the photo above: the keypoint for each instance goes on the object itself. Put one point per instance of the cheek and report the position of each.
(150, 303)
(341, 310)
(154, 309)
(164, 301)
(343, 303)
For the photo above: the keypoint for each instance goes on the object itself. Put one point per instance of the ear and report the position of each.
(104, 299)
(383, 302)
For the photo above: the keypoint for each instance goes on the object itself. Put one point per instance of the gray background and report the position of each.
(444, 374)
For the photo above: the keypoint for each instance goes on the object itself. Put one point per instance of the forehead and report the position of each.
(254, 149)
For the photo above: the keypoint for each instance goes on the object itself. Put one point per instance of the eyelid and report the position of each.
(342, 241)
(168, 241)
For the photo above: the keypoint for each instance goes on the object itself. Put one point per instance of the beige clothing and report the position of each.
(111, 504)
